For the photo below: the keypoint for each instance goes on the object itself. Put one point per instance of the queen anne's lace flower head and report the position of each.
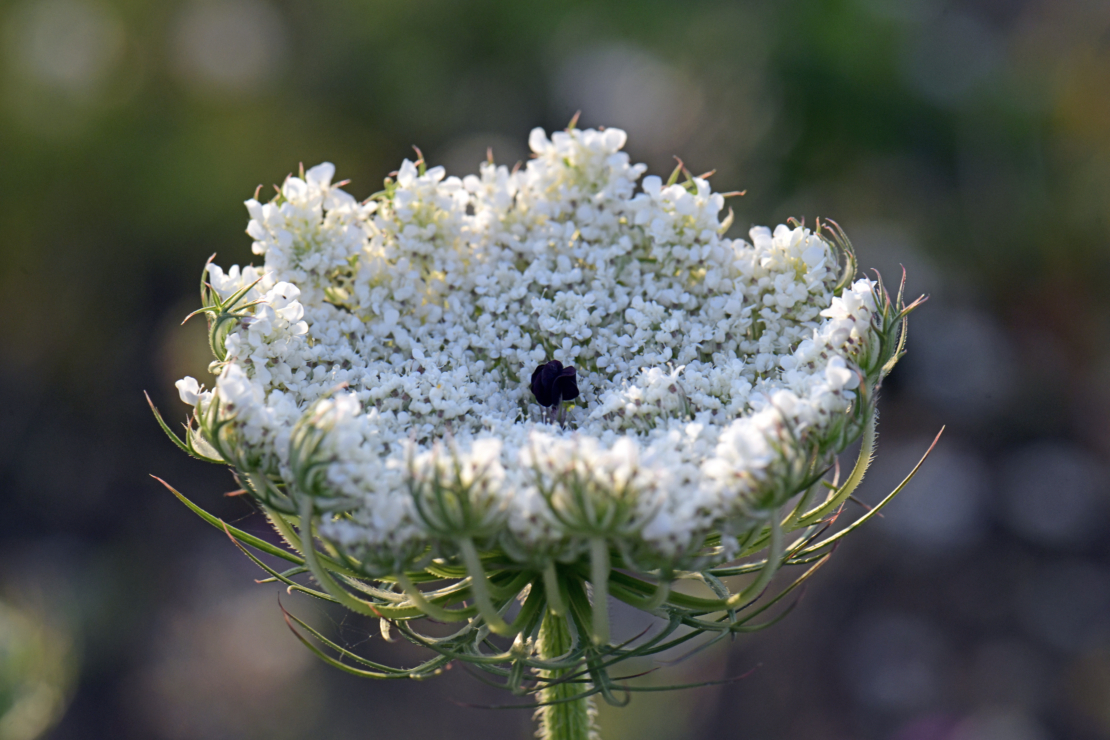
(385, 377)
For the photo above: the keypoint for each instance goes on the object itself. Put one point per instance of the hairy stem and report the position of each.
(564, 717)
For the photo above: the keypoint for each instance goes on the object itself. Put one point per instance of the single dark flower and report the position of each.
(552, 383)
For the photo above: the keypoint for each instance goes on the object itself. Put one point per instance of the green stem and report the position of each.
(599, 578)
(563, 717)
(479, 586)
(551, 590)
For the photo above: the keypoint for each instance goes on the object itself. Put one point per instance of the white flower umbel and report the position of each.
(373, 391)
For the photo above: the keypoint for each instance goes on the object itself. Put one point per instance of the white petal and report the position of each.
(188, 389)
(319, 177)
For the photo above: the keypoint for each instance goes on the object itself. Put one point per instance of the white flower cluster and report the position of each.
(406, 329)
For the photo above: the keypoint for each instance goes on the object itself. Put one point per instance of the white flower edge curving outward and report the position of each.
(378, 361)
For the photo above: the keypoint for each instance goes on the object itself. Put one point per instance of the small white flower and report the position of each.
(188, 389)
(839, 376)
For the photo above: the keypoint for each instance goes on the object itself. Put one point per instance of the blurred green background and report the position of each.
(968, 140)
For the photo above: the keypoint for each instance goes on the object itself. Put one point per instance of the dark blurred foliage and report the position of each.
(968, 140)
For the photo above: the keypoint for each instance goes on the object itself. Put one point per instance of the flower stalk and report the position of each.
(565, 712)
(599, 579)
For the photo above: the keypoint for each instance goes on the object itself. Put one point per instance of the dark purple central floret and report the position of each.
(552, 383)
